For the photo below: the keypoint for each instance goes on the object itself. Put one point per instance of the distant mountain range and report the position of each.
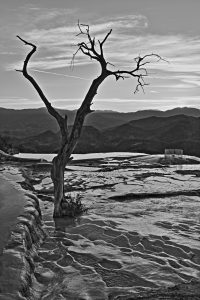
(31, 122)
(149, 131)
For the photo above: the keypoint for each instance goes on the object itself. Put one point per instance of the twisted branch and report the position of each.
(90, 48)
(96, 52)
(62, 122)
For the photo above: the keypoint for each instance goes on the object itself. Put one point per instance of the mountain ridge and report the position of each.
(31, 122)
(150, 135)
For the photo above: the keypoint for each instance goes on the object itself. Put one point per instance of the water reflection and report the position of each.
(62, 224)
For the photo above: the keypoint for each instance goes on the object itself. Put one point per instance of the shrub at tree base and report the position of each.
(72, 206)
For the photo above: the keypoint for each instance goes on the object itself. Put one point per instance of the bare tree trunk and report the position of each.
(57, 176)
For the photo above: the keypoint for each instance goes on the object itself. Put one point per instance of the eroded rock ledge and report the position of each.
(16, 262)
(184, 291)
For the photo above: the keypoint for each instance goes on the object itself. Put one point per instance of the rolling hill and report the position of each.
(151, 131)
(31, 122)
(150, 135)
(49, 141)
(154, 134)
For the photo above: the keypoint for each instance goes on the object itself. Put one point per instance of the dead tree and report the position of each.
(95, 51)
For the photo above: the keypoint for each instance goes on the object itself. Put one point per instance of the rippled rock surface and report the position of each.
(122, 248)
(16, 260)
(139, 238)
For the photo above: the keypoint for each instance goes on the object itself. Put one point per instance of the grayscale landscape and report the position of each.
(99, 150)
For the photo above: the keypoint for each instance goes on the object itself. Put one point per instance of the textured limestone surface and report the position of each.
(139, 238)
(11, 206)
(21, 232)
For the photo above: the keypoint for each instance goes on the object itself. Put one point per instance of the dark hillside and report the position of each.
(154, 134)
(31, 122)
(151, 135)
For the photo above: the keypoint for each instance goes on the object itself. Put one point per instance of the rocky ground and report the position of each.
(140, 233)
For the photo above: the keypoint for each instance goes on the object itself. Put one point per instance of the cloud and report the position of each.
(182, 85)
(154, 92)
(60, 42)
(19, 102)
(59, 74)
(193, 82)
(56, 45)
(56, 39)
(7, 53)
(117, 104)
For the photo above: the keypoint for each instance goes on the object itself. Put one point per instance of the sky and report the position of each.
(170, 28)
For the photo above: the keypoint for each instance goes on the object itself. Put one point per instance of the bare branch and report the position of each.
(108, 63)
(90, 48)
(106, 37)
(51, 110)
(104, 40)
(139, 72)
